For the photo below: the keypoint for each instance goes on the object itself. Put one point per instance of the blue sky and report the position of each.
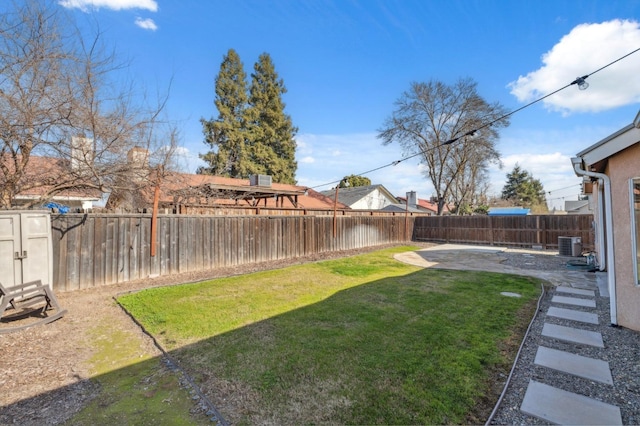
(345, 62)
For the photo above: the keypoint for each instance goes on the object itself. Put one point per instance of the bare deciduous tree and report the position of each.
(430, 116)
(62, 97)
(469, 186)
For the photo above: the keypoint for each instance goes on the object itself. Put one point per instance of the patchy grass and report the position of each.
(180, 315)
(364, 340)
(134, 389)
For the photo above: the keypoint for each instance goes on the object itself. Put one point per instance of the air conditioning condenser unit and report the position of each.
(570, 246)
(260, 180)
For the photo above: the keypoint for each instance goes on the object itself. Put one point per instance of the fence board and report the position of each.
(145, 261)
(73, 258)
(99, 246)
(123, 252)
(86, 253)
(182, 244)
(173, 266)
(165, 237)
(59, 251)
(134, 249)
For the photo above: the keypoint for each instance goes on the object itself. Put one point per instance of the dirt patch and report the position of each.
(45, 373)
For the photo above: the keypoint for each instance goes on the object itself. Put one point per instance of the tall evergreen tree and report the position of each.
(227, 134)
(523, 189)
(271, 140)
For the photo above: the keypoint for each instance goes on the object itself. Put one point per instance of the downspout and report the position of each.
(601, 233)
(611, 273)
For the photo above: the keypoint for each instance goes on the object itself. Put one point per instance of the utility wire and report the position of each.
(611, 63)
(578, 81)
(393, 163)
(566, 187)
(567, 198)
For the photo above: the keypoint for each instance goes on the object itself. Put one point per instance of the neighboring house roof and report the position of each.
(594, 156)
(401, 208)
(508, 211)
(579, 206)
(353, 196)
(41, 176)
(195, 189)
(426, 205)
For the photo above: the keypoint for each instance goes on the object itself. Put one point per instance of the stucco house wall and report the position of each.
(622, 167)
(375, 200)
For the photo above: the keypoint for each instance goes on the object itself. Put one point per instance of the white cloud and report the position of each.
(337, 156)
(302, 147)
(539, 163)
(587, 48)
(187, 161)
(307, 160)
(85, 5)
(146, 24)
(179, 150)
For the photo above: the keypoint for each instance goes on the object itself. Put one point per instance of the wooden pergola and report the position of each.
(252, 194)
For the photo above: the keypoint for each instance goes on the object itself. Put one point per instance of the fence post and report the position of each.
(490, 229)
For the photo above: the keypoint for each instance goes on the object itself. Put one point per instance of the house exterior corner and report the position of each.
(612, 165)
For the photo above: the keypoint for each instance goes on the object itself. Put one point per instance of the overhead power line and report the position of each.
(580, 81)
(566, 187)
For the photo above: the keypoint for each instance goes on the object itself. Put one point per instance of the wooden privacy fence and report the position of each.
(518, 231)
(101, 249)
(282, 211)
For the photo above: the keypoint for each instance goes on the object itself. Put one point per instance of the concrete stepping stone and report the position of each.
(574, 301)
(602, 282)
(581, 366)
(573, 315)
(574, 335)
(567, 408)
(578, 291)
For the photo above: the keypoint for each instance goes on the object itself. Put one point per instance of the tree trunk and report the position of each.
(440, 205)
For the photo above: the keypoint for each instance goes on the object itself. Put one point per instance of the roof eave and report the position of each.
(612, 144)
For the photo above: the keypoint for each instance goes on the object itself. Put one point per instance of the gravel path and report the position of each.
(621, 351)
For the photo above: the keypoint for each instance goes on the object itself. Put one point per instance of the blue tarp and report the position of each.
(508, 211)
(62, 209)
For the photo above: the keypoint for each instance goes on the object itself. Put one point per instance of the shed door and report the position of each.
(10, 250)
(25, 247)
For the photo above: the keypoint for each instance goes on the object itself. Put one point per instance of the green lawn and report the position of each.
(360, 340)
